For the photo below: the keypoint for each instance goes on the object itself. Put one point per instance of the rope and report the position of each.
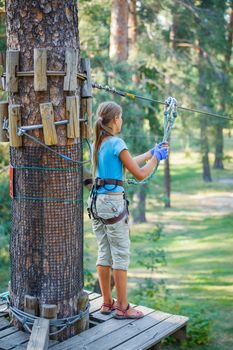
(27, 320)
(170, 114)
(57, 153)
(134, 96)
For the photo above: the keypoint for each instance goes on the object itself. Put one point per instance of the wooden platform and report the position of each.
(105, 332)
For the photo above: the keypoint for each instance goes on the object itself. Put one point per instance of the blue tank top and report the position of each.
(109, 164)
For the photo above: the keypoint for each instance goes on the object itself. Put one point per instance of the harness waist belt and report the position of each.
(101, 182)
(115, 218)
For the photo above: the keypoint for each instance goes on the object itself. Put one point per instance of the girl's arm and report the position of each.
(132, 165)
(142, 158)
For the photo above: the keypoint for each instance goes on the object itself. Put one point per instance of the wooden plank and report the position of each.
(7, 331)
(39, 338)
(130, 330)
(50, 135)
(95, 333)
(70, 79)
(86, 110)
(12, 64)
(52, 343)
(14, 339)
(86, 91)
(4, 323)
(153, 335)
(40, 69)
(14, 123)
(96, 304)
(73, 129)
(93, 296)
(3, 116)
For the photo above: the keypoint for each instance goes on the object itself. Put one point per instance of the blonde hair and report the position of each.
(105, 113)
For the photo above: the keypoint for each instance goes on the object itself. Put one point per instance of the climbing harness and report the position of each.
(170, 114)
(92, 210)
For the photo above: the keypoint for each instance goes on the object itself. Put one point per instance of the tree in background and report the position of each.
(118, 48)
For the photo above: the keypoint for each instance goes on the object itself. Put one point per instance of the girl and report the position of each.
(108, 207)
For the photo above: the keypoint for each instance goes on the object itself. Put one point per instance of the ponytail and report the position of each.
(106, 112)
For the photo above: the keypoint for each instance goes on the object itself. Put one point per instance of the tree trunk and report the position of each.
(206, 174)
(218, 161)
(47, 230)
(139, 212)
(118, 50)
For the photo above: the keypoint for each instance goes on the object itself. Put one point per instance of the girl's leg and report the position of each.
(104, 273)
(120, 278)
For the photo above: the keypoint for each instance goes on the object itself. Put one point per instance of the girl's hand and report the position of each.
(160, 151)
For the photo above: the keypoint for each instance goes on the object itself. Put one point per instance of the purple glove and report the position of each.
(159, 151)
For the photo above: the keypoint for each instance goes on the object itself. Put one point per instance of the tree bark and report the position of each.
(118, 49)
(218, 161)
(46, 241)
(139, 212)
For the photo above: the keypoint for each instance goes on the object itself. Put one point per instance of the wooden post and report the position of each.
(12, 64)
(39, 339)
(31, 305)
(73, 129)
(40, 69)
(87, 86)
(14, 123)
(180, 335)
(49, 311)
(50, 135)
(70, 79)
(84, 322)
(3, 116)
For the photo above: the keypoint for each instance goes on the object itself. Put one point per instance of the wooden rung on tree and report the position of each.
(3, 117)
(40, 69)
(14, 123)
(12, 64)
(31, 305)
(86, 86)
(73, 129)
(70, 79)
(49, 311)
(47, 114)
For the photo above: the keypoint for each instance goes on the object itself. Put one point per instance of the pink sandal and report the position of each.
(125, 315)
(111, 307)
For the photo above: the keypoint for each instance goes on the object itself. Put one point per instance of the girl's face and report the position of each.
(119, 122)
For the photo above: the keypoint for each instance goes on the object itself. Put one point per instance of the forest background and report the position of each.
(181, 223)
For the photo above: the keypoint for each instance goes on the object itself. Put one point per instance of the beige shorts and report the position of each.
(113, 240)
